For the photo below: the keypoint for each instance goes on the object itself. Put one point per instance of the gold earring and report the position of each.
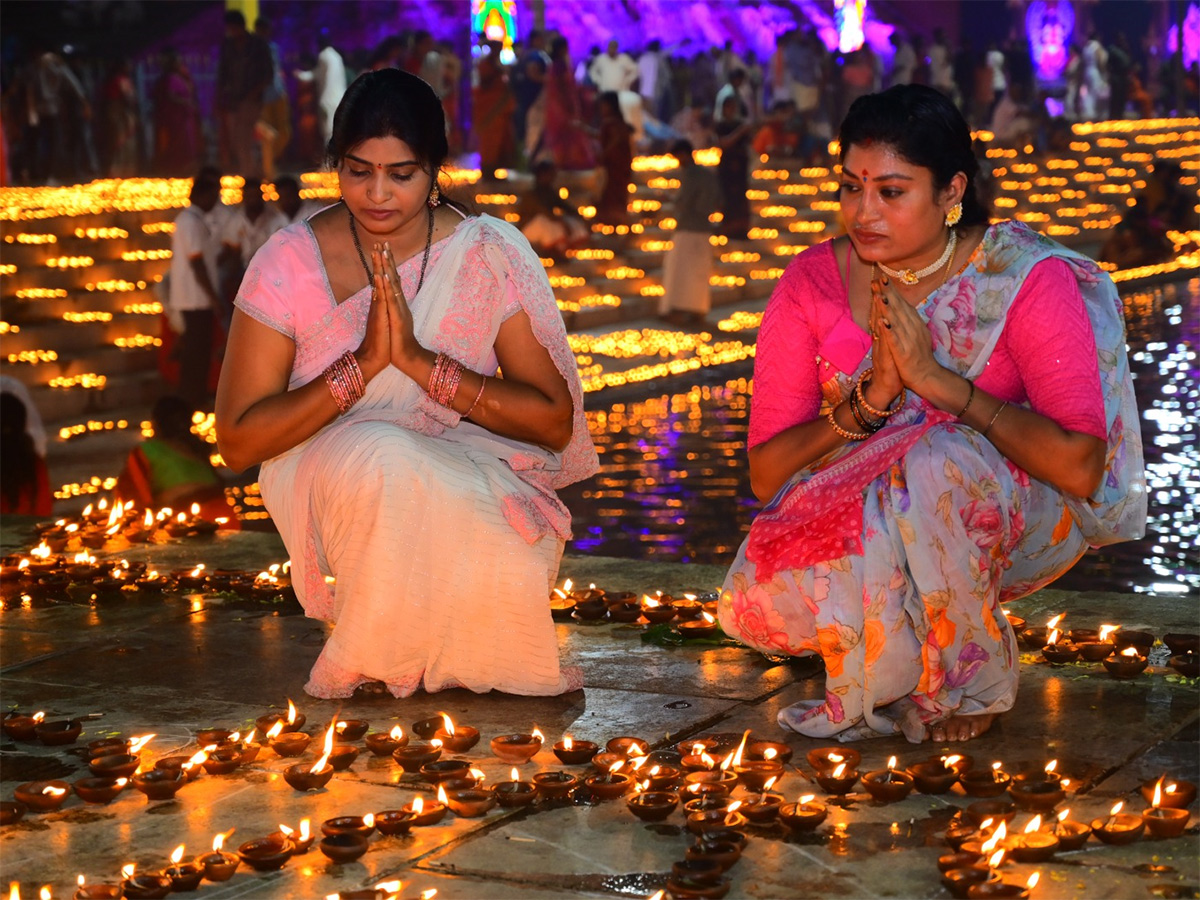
(954, 215)
(434, 197)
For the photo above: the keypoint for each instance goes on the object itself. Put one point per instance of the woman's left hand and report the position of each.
(405, 349)
(905, 334)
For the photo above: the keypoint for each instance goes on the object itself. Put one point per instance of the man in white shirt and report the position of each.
(613, 70)
(192, 299)
(330, 75)
(249, 226)
(290, 206)
(654, 76)
(904, 62)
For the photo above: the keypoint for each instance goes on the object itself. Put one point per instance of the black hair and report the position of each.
(682, 149)
(390, 103)
(559, 44)
(207, 179)
(19, 472)
(287, 181)
(926, 129)
(233, 17)
(611, 100)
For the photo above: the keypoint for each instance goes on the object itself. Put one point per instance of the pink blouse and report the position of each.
(1046, 354)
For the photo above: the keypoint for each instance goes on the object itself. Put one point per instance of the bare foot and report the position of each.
(960, 728)
(371, 690)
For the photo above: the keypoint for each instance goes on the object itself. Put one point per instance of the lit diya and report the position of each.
(266, 854)
(312, 778)
(888, 785)
(937, 776)
(456, 739)
(555, 785)
(653, 806)
(716, 819)
(43, 796)
(292, 721)
(363, 826)
(415, 754)
(518, 748)
(1119, 827)
(515, 792)
(144, 887)
(21, 727)
(382, 744)
(575, 753)
(985, 782)
(300, 838)
(610, 785)
(1042, 790)
(764, 807)
(1003, 890)
(705, 625)
(1071, 835)
(1127, 663)
(840, 781)
(218, 865)
(1034, 844)
(184, 876)
(1059, 652)
(1176, 793)
(424, 813)
(102, 891)
(1164, 822)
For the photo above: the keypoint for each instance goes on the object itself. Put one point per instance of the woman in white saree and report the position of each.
(394, 457)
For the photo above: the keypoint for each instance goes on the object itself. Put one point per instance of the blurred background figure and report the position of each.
(244, 72)
(24, 482)
(547, 220)
(494, 105)
(119, 121)
(688, 264)
(290, 205)
(276, 114)
(616, 156)
(177, 136)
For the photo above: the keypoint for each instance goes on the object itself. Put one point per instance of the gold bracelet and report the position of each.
(475, 402)
(970, 399)
(992, 420)
(862, 397)
(848, 435)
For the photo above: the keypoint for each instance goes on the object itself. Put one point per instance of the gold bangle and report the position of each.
(970, 400)
(848, 435)
(992, 420)
(475, 402)
(862, 397)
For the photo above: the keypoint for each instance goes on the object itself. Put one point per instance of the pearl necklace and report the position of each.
(911, 277)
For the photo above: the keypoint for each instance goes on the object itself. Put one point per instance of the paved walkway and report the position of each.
(177, 665)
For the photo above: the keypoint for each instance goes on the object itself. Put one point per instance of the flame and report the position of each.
(38, 717)
(656, 770)
(436, 742)
(891, 763)
(121, 782)
(996, 858)
(397, 733)
(389, 887)
(137, 743)
(737, 756)
(567, 585)
(1062, 816)
(658, 896)
(708, 618)
(568, 743)
(305, 829)
(44, 893)
(87, 510)
(196, 758)
(449, 724)
(197, 572)
(1053, 639)
(689, 596)
(479, 776)
(986, 824)
(418, 806)
(218, 842)
(181, 518)
(237, 736)
(195, 509)
(1130, 652)
(1051, 766)
(148, 522)
(80, 880)
(1034, 824)
(727, 762)
(291, 716)
(84, 558)
(708, 761)
(320, 763)
(734, 806)
(441, 795)
(41, 551)
(177, 855)
(537, 735)
(1170, 788)
(1033, 880)
(275, 730)
(285, 830)
(429, 894)
(698, 749)
(806, 798)
(637, 762)
(616, 767)
(997, 836)
(113, 530)
(369, 820)
(128, 870)
(770, 753)
(514, 775)
(770, 783)
(1106, 630)
(114, 517)
(838, 772)
(52, 791)
(560, 593)
(835, 757)
(649, 601)
(341, 726)
(1117, 807)
(1053, 623)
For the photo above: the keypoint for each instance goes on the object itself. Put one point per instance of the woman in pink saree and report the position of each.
(396, 461)
(943, 420)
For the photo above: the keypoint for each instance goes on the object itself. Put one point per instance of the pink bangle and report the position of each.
(475, 402)
(345, 381)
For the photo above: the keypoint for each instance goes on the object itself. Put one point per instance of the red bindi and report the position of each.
(864, 175)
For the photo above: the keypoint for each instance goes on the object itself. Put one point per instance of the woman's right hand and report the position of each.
(375, 351)
(886, 377)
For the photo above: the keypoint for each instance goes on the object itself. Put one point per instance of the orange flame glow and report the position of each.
(177, 855)
(447, 724)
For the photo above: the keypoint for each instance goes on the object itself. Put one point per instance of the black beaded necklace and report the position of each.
(362, 257)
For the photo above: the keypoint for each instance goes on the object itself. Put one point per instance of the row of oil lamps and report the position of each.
(657, 784)
(1123, 653)
(691, 616)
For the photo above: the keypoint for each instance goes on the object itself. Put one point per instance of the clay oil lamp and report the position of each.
(839, 782)
(363, 826)
(382, 744)
(961, 830)
(664, 778)
(300, 838)
(43, 796)
(1142, 640)
(1071, 835)
(12, 811)
(247, 748)
(218, 864)
(223, 762)
(724, 853)
(763, 807)
(714, 819)
(1176, 793)
(610, 785)
(516, 749)
(415, 754)
(184, 876)
(1038, 790)
(312, 778)
(1186, 664)
(1182, 642)
(721, 776)
(888, 785)
(754, 774)
(958, 860)
(442, 770)
(625, 613)
(426, 813)
(561, 606)
(590, 594)
(697, 746)
(1034, 844)
(555, 785)
(289, 744)
(603, 761)
(575, 753)
(1164, 822)
(469, 803)
(117, 765)
(1015, 622)
(1127, 663)
(627, 746)
(266, 854)
(655, 612)
(1101, 647)
(1119, 827)
(102, 891)
(702, 626)
(695, 790)
(393, 822)
(769, 750)
(21, 727)
(703, 802)
(58, 734)
(343, 848)
(159, 784)
(107, 747)
(985, 782)
(1003, 890)
(592, 610)
(144, 887)
(960, 881)
(343, 756)
(996, 810)
(1059, 652)
(99, 790)
(803, 815)
(1034, 636)
(652, 806)
(456, 738)
(686, 607)
(826, 759)
(699, 871)
(937, 776)
(350, 730)
(515, 792)
(186, 766)
(292, 721)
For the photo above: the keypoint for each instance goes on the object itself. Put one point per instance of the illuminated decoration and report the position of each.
(497, 21)
(850, 17)
(1191, 36)
(1049, 25)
